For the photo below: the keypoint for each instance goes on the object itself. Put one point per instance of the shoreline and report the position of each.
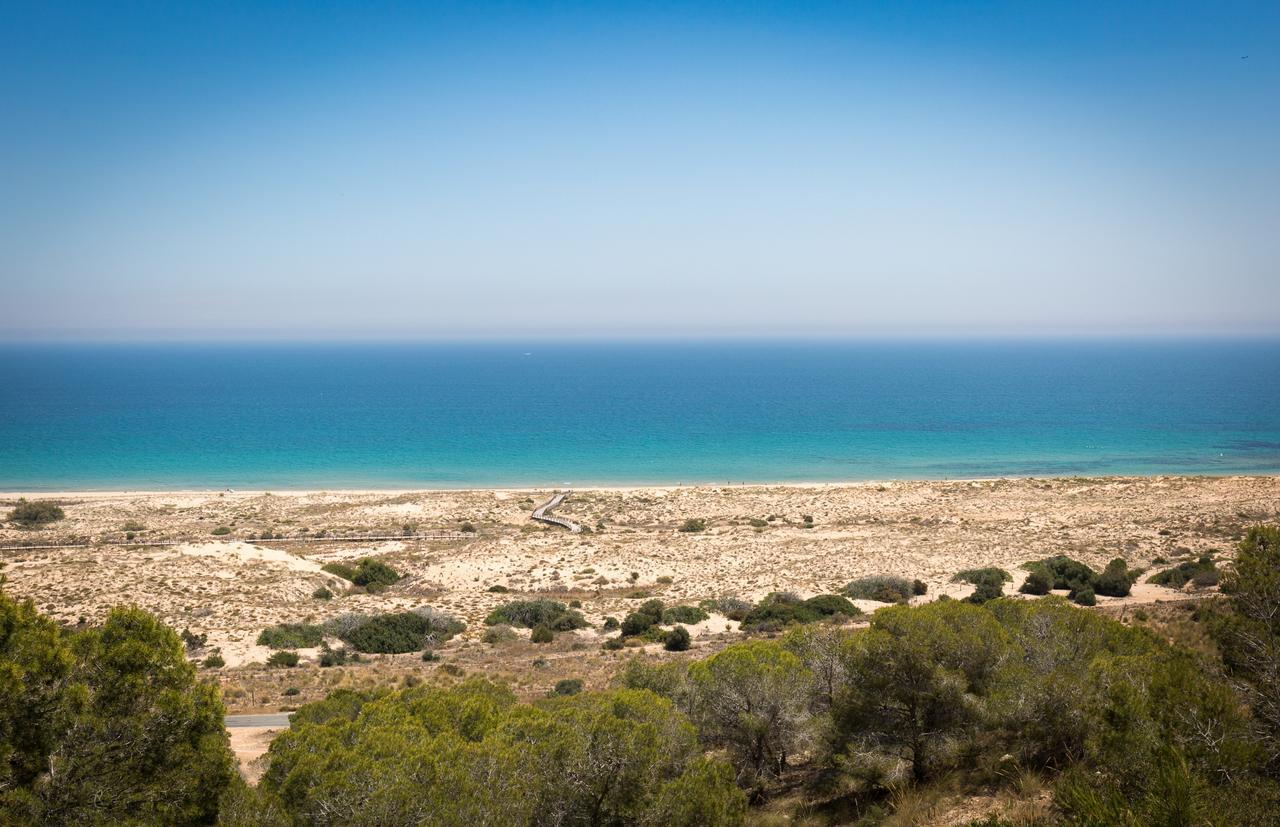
(95, 493)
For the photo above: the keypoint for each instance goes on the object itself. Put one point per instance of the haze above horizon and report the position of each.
(526, 170)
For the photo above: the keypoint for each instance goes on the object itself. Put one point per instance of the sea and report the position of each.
(564, 414)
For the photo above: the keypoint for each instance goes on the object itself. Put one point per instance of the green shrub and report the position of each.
(530, 613)
(1083, 594)
(756, 522)
(648, 615)
(779, 609)
(693, 525)
(983, 575)
(373, 574)
(322, 593)
(568, 686)
(988, 583)
(610, 624)
(498, 589)
(467, 528)
(1038, 582)
(677, 640)
(1115, 580)
(542, 634)
(220, 531)
(340, 570)
(884, 588)
(283, 659)
(291, 691)
(1202, 573)
(32, 513)
(831, 604)
(133, 527)
(683, 614)
(613, 644)
(733, 608)
(502, 633)
(333, 657)
(919, 587)
(214, 661)
(193, 641)
(399, 632)
(291, 636)
(1063, 571)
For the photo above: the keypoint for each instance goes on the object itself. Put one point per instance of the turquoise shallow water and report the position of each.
(442, 415)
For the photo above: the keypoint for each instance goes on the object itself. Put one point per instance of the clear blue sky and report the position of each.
(372, 170)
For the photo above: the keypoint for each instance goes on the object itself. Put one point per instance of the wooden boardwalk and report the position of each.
(542, 513)
(227, 538)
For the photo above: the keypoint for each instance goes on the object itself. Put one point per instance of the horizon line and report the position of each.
(780, 338)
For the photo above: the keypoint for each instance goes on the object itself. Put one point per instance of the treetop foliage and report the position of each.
(473, 755)
(105, 725)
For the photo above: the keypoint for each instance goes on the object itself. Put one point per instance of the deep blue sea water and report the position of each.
(443, 415)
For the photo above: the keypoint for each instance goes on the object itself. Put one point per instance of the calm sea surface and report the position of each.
(334, 416)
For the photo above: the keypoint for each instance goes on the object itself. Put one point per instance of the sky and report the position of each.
(318, 170)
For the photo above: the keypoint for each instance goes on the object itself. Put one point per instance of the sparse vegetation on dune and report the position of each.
(540, 612)
(924, 704)
(35, 513)
(884, 588)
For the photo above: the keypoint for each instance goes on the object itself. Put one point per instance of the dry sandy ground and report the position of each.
(230, 586)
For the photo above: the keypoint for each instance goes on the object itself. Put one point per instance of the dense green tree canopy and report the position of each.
(106, 725)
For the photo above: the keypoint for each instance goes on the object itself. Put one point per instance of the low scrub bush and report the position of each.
(983, 575)
(220, 531)
(373, 574)
(683, 614)
(396, 632)
(1115, 580)
(291, 636)
(988, 583)
(780, 609)
(677, 640)
(642, 619)
(322, 593)
(32, 513)
(530, 613)
(693, 525)
(337, 657)
(498, 589)
(1083, 594)
(502, 633)
(542, 634)
(734, 608)
(884, 588)
(568, 686)
(1201, 573)
(1038, 582)
(214, 661)
(1063, 572)
(340, 570)
(283, 659)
